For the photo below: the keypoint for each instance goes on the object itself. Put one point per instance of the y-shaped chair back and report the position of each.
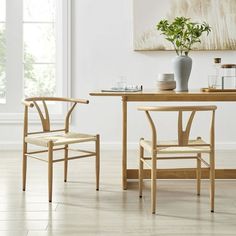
(183, 134)
(44, 113)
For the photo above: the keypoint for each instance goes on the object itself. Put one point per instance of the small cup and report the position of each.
(122, 82)
(212, 81)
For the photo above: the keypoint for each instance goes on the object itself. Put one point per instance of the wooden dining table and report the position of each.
(166, 96)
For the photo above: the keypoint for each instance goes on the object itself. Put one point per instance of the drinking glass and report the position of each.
(212, 81)
(121, 83)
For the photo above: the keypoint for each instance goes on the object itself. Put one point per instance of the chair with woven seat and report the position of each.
(178, 149)
(55, 139)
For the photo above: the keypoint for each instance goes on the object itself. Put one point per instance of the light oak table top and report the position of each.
(152, 95)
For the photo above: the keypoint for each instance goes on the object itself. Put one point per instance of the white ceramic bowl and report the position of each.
(165, 77)
(166, 85)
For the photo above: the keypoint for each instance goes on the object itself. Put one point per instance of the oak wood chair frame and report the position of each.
(182, 146)
(46, 129)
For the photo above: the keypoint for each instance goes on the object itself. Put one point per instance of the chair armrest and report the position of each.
(59, 99)
(28, 103)
(84, 101)
(178, 108)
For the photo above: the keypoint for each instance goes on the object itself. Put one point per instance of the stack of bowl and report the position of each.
(166, 82)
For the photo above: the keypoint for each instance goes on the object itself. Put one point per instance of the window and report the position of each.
(2, 51)
(34, 52)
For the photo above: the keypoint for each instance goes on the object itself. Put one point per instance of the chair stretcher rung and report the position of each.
(189, 145)
(80, 150)
(43, 151)
(61, 159)
(75, 157)
(146, 163)
(204, 162)
(35, 157)
(171, 158)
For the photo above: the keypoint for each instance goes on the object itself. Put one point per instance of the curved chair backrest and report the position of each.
(183, 135)
(44, 115)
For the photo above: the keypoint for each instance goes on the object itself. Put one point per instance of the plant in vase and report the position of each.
(183, 34)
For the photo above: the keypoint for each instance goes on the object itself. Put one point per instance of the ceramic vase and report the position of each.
(182, 68)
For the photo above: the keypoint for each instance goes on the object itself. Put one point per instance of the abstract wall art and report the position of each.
(219, 14)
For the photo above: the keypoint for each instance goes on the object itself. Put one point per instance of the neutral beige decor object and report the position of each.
(165, 82)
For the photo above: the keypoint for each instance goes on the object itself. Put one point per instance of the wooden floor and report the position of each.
(77, 209)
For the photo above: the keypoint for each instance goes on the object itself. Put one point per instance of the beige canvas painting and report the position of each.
(219, 14)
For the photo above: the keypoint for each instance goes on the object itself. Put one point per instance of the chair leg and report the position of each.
(97, 161)
(24, 167)
(212, 181)
(65, 163)
(141, 152)
(198, 174)
(50, 170)
(153, 184)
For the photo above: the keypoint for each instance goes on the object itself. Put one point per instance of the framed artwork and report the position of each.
(219, 14)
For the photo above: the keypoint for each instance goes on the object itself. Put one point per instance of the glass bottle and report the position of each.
(217, 66)
(214, 79)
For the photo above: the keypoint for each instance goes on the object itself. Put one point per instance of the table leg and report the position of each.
(124, 142)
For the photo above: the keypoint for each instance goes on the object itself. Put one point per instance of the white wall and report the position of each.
(101, 52)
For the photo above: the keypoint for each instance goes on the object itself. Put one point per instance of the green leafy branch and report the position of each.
(183, 33)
